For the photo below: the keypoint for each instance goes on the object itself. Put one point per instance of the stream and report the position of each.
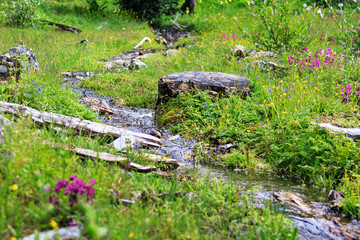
(264, 182)
(324, 224)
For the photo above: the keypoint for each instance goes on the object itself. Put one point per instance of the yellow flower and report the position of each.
(131, 235)
(54, 224)
(15, 187)
(13, 238)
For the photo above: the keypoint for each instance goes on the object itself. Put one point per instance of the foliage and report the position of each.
(20, 12)
(279, 29)
(351, 188)
(95, 7)
(151, 9)
(348, 30)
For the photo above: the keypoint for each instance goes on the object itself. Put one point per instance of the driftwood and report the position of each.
(169, 162)
(95, 129)
(145, 39)
(62, 27)
(316, 216)
(124, 162)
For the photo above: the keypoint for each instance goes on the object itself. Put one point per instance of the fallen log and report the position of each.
(172, 163)
(62, 27)
(93, 128)
(124, 162)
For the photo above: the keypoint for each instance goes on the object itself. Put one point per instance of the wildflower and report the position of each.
(131, 235)
(54, 224)
(92, 181)
(137, 147)
(204, 105)
(13, 238)
(73, 222)
(14, 187)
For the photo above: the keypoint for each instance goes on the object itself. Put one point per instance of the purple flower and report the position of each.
(204, 105)
(92, 181)
(72, 177)
(137, 147)
(269, 90)
(73, 223)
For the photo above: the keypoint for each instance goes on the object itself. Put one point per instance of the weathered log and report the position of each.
(172, 163)
(93, 128)
(124, 162)
(62, 27)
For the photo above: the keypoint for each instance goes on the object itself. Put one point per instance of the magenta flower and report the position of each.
(92, 181)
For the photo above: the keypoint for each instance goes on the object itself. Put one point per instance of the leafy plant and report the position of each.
(151, 9)
(20, 12)
(95, 7)
(348, 32)
(279, 29)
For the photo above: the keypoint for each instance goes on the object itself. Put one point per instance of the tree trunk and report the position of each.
(189, 4)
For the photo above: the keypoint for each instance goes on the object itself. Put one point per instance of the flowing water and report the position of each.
(265, 182)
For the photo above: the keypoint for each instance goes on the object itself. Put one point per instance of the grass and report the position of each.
(272, 128)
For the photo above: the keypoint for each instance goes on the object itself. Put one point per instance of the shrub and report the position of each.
(278, 28)
(348, 30)
(150, 9)
(20, 12)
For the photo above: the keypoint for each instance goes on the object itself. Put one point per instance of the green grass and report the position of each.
(272, 127)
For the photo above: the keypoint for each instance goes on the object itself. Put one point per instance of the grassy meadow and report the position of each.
(273, 127)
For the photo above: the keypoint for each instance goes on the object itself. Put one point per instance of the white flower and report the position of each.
(308, 8)
(305, 5)
(340, 4)
(320, 12)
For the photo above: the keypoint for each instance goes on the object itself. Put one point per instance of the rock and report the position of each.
(4, 73)
(170, 52)
(267, 65)
(137, 64)
(241, 52)
(66, 74)
(335, 198)
(123, 142)
(216, 83)
(350, 132)
(98, 105)
(4, 123)
(63, 233)
(19, 57)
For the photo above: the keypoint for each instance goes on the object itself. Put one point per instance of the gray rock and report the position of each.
(350, 132)
(170, 52)
(4, 73)
(137, 64)
(241, 52)
(63, 233)
(19, 57)
(267, 65)
(123, 142)
(4, 123)
(216, 83)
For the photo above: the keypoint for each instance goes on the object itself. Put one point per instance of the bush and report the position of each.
(277, 28)
(20, 12)
(150, 9)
